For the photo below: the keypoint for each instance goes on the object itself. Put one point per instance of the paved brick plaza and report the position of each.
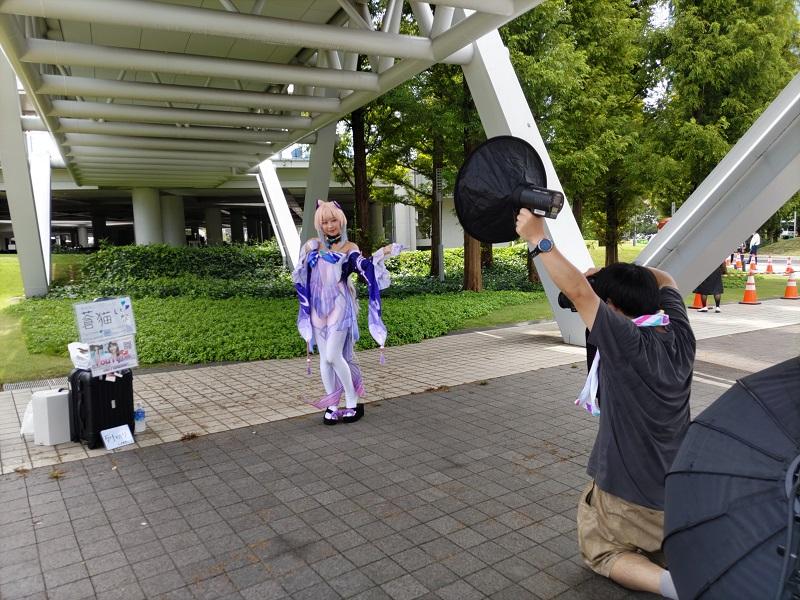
(462, 492)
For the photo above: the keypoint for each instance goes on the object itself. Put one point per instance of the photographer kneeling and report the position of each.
(644, 381)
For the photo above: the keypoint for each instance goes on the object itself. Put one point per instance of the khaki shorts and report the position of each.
(609, 527)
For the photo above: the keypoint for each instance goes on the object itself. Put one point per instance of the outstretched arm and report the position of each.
(563, 273)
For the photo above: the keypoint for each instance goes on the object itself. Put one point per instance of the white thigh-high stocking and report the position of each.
(332, 361)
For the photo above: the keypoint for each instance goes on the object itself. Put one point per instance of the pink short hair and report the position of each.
(327, 210)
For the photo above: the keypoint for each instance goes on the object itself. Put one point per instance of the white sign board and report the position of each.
(105, 320)
(117, 437)
(113, 354)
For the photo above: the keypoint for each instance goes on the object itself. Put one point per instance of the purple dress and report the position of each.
(327, 301)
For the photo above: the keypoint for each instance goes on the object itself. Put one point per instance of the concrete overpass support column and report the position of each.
(253, 229)
(404, 224)
(319, 177)
(376, 226)
(504, 111)
(213, 218)
(33, 254)
(83, 236)
(147, 216)
(99, 227)
(173, 223)
(237, 226)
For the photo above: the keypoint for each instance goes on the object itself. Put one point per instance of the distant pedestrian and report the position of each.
(712, 286)
(755, 242)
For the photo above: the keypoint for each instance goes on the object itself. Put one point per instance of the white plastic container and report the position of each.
(50, 417)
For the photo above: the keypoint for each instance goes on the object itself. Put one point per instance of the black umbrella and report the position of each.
(731, 506)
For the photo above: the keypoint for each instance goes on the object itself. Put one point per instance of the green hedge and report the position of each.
(160, 260)
(196, 330)
(160, 271)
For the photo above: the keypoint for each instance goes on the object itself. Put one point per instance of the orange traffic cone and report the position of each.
(698, 303)
(750, 296)
(791, 288)
(738, 265)
(753, 265)
(769, 270)
(789, 269)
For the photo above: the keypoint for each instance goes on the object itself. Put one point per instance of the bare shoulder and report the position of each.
(350, 247)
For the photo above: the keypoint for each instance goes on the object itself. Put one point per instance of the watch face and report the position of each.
(545, 245)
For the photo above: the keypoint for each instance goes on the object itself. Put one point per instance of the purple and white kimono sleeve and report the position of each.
(376, 275)
(302, 285)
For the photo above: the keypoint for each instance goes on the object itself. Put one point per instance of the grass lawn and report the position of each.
(16, 363)
(781, 248)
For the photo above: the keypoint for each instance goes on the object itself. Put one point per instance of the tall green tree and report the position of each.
(582, 66)
(722, 62)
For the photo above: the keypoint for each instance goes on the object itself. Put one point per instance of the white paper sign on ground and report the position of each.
(113, 354)
(105, 319)
(116, 437)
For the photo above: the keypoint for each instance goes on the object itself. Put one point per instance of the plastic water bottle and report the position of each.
(139, 424)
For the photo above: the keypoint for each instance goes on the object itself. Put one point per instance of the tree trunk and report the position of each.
(473, 277)
(487, 258)
(361, 188)
(612, 230)
(436, 205)
(533, 274)
(577, 212)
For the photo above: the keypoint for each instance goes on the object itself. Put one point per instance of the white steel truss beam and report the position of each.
(279, 213)
(470, 28)
(757, 176)
(34, 256)
(504, 110)
(12, 41)
(424, 16)
(94, 169)
(167, 131)
(88, 55)
(121, 141)
(155, 114)
(496, 7)
(143, 160)
(126, 153)
(87, 86)
(160, 16)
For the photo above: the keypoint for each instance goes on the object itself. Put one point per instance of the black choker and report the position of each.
(333, 240)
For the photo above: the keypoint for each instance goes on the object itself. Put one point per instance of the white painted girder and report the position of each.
(66, 125)
(83, 151)
(171, 17)
(496, 7)
(143, 160)
(124, 141)
(87, 86)
(88, 55)
(155, 114)
(34, 258)
(759, 174)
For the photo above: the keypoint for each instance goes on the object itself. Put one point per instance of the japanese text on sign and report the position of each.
(105, 319)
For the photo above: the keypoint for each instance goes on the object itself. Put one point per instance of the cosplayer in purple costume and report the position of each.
(328, 307)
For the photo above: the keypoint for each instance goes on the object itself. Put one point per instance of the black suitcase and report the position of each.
(96, 404)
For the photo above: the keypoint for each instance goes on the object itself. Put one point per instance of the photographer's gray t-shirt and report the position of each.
(645, 378)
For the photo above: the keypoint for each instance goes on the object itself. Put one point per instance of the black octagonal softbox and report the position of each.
(498, 178)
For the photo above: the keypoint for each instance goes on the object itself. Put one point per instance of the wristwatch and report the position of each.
(544, 245)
